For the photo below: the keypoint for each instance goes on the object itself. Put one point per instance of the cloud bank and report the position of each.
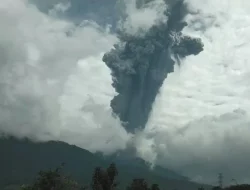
(200, 121)
(53, 82)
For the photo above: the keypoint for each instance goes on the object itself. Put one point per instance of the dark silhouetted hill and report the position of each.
(20, 161)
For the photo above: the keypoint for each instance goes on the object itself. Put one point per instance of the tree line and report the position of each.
(102, 179)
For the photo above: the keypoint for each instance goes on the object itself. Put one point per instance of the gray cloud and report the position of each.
(203, 148)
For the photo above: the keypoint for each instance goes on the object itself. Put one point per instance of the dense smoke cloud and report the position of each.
(140, 62)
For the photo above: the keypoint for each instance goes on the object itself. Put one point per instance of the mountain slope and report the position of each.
(21, 159)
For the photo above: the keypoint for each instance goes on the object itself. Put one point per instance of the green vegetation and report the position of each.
(101, 180)
(22, 160)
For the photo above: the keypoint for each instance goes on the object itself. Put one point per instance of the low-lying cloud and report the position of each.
(54, 85)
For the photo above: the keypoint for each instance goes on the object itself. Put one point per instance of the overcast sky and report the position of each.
(54, 86)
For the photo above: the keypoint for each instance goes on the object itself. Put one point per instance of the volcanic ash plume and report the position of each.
(141, 61)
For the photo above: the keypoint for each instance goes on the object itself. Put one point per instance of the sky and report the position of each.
(54, 85)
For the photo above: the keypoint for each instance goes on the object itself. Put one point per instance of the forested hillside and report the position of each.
(21, 160)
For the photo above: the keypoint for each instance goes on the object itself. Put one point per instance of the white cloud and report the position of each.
(200, 121)
(59, 8)
(90, 91)
(140, 20)
(48, 68)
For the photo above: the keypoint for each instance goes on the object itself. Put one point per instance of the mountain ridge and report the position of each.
(22, 159)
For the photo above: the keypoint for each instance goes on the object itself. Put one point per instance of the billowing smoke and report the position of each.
(142, 59)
